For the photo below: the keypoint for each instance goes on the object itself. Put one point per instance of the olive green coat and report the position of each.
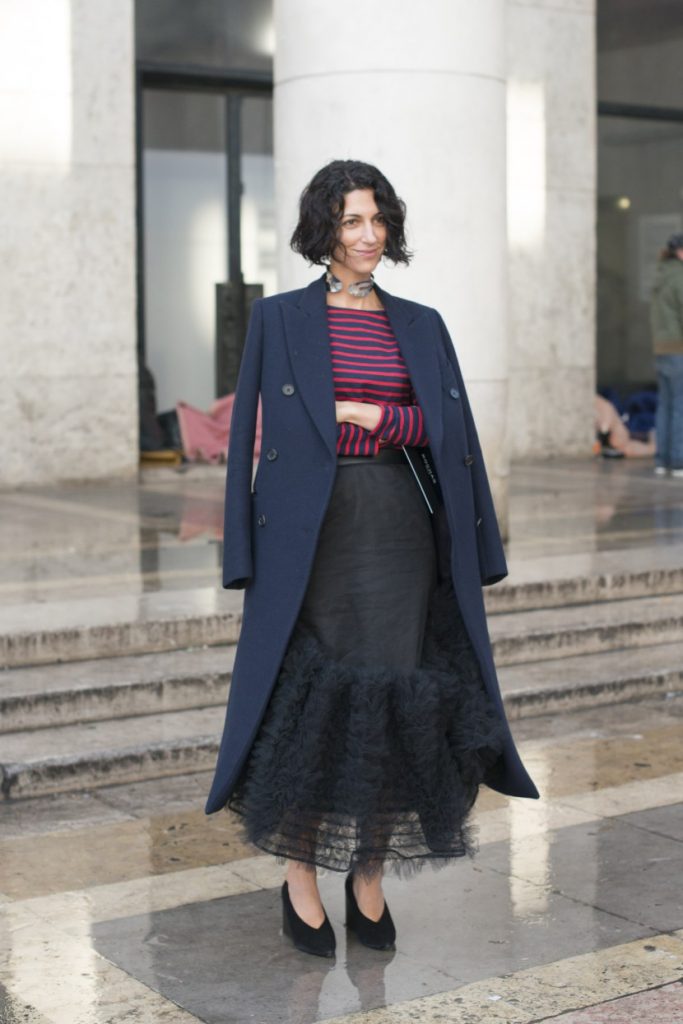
(666, 309)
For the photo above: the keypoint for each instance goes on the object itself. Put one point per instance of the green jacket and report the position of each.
(666, 309)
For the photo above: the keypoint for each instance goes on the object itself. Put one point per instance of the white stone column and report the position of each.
(551, 208)
(68, 387)
(418, 90)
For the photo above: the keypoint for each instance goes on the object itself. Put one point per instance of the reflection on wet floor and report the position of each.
(120, 539)
(140, 876)
(118, 850)
(581, 752)
(166, 533)
(127, 904)
(649, 743)
(591, 506)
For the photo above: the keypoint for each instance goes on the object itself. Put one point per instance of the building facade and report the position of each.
(153, 152)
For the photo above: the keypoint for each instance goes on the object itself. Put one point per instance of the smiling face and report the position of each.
(362, 235)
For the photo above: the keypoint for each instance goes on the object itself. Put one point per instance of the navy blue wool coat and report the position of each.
(272, 525)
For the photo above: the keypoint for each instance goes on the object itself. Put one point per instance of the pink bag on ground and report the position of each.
(205, 435)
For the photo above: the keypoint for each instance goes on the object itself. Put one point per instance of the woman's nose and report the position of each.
(369, 233)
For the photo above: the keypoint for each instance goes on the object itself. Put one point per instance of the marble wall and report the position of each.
(428, 106)
(68, 390)
(551, 224)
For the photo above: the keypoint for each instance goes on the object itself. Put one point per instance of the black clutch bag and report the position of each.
(420, 462)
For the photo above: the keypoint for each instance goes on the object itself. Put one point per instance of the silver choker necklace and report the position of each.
(359, 289)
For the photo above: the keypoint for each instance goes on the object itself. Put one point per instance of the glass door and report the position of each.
(185, 235)
(640, 204)
(205, 194)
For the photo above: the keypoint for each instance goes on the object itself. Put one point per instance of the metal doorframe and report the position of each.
(234, 86)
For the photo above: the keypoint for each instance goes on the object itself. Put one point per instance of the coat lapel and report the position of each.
(414, 333)
(309, 349)
(308, 343)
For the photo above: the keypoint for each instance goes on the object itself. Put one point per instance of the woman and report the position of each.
(364, 709)
(666, 318)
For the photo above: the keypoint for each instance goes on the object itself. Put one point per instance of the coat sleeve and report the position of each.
(237, 554)
(492, 564)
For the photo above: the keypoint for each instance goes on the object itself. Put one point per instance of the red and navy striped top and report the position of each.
(367, 366)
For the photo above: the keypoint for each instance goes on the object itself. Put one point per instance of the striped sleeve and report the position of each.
(354, 440)
(401, 424)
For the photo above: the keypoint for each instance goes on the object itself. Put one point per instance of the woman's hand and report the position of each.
(364, 414)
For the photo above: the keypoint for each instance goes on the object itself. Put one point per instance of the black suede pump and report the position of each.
(319, 941)
(375, 934)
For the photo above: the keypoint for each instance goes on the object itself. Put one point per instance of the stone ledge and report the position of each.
(77, 757)
(86, 691)
(45, 633)
(586, 629)
(572, 590)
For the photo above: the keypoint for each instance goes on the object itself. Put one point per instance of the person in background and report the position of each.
(614, 440)
(666, 321)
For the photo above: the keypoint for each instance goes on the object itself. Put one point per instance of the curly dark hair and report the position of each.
(321, 209)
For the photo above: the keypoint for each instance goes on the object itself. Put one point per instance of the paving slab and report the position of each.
(664, 821)
(586, 578)
(81, 691)
(152, 796)
(96, 753)
(610, 865)
(595, 563)
(529, 619)
(55, 813)
(32, 697)
(86, 810)
(586, 629)
(153, 746)
(464, 927)
(60, 980)
(655, 1006)
(16, 1011)
(590, 680)
(99, 627)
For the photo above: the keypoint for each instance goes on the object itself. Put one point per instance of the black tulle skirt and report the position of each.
(379, 731)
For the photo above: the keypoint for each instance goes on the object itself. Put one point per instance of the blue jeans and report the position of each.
(669, 422)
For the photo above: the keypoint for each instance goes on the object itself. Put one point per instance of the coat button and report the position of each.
(468, 460)
(261, 520)
(287, 389)
(454, 393)
(479, 521)
(271, 454)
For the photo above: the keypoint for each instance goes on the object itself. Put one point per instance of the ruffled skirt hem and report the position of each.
(355, 766)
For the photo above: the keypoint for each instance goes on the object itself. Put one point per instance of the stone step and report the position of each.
(82, 756)
(86, 691)
(110, 688)
(590, 680)
(585, 629)
(532, 585)
(36, 697)
(102, 627)
(90, 754)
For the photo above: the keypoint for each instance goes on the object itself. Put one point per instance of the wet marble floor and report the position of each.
(127, 904)
(164, 533)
